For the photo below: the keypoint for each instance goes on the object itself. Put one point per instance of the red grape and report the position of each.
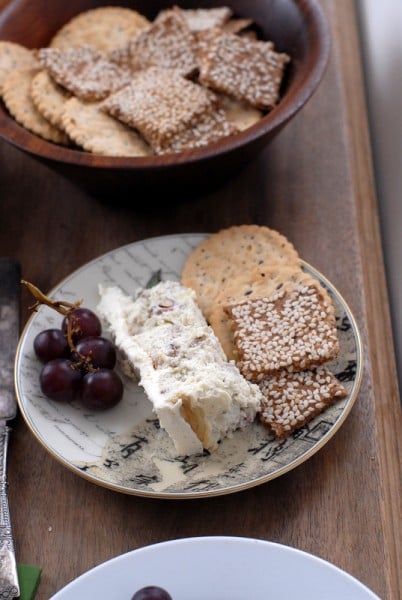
(84, 322)
(152, 592)
(78, 362)
(59, 380)
(50, 344)
(98, 350)
(101, 389)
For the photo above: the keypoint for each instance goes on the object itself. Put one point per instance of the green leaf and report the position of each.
(155, 279)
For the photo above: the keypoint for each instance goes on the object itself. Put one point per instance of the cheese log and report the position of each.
(198, 396)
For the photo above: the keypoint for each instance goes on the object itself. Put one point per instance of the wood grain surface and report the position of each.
(314, 183)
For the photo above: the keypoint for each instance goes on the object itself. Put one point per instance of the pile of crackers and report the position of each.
(274, 319)
(113, 83)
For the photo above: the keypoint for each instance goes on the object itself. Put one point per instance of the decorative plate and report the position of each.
(248, 568)
(124, 448)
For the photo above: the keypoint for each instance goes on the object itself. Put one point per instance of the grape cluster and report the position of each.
(151, 592)
(78, 362)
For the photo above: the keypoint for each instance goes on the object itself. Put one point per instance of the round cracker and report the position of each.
(237, 25)
(97, 132)
(14, 57)
(17, 98)
(105, 28)
(230, 252)
(241, 115)
(260, 283)
(49, 97)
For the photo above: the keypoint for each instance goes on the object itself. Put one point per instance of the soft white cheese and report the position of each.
(198, 396)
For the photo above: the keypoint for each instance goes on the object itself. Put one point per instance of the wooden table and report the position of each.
(314, 184)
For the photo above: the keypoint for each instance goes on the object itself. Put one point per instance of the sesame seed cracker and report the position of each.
(249, 285)
(290, 400)
(209, 127)
(84, 71)
(292, 330)
(160, 104)
(167, 43)
(249, 70)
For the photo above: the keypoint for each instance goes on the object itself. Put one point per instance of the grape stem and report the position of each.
(65, 309)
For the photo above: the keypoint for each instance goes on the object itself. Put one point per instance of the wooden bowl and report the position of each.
(297, 27)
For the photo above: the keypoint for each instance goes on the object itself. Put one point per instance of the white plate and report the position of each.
(124, 449)
(218, 568)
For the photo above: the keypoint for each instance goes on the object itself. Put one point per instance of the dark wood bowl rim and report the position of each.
(23, 139)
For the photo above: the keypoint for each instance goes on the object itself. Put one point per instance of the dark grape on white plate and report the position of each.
(78, 362)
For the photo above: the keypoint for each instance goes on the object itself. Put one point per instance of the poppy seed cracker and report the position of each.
(292, 330)
(249, 70)
(290, 400)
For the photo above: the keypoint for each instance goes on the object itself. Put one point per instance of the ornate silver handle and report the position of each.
(9, 586)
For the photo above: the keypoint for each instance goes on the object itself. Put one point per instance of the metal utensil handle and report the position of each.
(9, 586)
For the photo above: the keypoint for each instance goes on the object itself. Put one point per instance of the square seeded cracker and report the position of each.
(160, 104)
(209, 127)
(247, 69)
(84, 71)
(293, 330)
(249, 284)
(290, 400)
(168, 43)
